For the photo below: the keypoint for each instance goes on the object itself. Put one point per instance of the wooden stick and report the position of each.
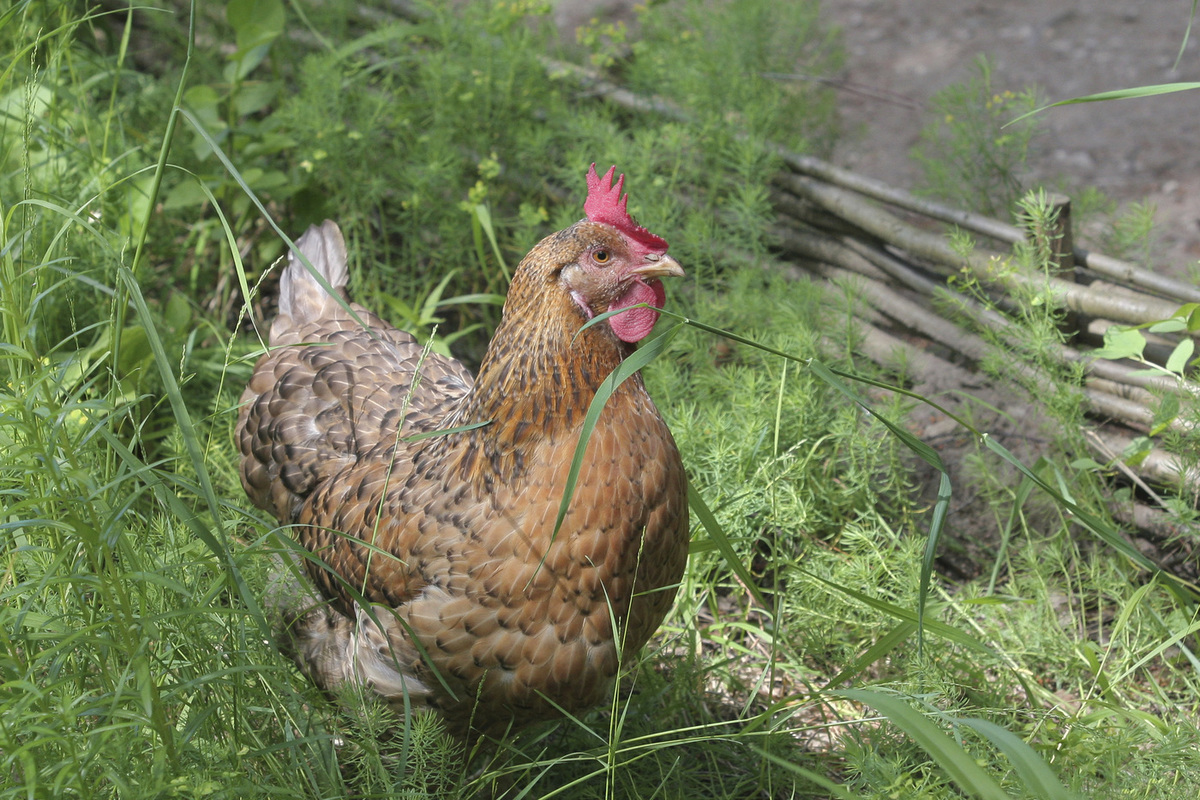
(977, 223)
(852, 254)
(1157, 466)
(879, 223)
(1163, 527)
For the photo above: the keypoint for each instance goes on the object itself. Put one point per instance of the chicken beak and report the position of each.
(661, 267)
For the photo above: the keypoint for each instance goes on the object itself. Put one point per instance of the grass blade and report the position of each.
(1116, 94)
(940, 629)
(191, 440)
(1103, 530)
(958, 763)
(640, 358)
(1031, 768)
(832, 378)
(717, 534)
(884, 645)
(837, 790)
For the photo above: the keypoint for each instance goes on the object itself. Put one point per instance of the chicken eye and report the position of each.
(601, 256)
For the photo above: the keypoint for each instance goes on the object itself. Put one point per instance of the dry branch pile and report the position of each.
(837, 225)
(894, 250)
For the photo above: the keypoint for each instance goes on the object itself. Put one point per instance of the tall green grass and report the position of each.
(812, 650)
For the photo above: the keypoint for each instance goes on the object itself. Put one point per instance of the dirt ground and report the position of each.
(1131, 149)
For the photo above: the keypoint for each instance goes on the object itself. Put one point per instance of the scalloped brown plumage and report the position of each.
(449, 537)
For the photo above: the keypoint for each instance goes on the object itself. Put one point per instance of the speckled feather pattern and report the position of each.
(475, 610)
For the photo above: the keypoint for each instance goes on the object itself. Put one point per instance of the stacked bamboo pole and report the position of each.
(835, 224)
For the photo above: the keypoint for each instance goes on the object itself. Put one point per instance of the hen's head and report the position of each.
(607, 261)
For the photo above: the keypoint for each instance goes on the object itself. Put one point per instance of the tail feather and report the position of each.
(302, 298)
(334, 650)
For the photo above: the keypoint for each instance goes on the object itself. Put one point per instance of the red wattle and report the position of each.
(636, 323)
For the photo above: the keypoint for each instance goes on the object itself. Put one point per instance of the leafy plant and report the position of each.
(971, 154)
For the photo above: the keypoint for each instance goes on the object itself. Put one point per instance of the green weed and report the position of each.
(812, 649)
(973, 154)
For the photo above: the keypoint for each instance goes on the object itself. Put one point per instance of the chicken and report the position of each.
(446, 585)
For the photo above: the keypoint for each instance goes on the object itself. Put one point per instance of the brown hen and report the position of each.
(476, 609)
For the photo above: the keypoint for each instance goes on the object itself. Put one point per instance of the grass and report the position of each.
(135, 659)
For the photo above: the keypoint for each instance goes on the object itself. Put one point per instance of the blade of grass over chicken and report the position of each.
(387, 475)
(416, 437)
(358, 595)
(618, 714)
(640, 358)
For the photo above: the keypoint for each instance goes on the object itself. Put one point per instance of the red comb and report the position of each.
(606, 204)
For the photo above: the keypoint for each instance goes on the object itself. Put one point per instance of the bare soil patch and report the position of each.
(1131, 149)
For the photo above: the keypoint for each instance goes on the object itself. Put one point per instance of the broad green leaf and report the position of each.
(1172, 325)
(1181, 355)
(1193, 317)
(1166, 413)
(255, 22)
(1121, 343)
